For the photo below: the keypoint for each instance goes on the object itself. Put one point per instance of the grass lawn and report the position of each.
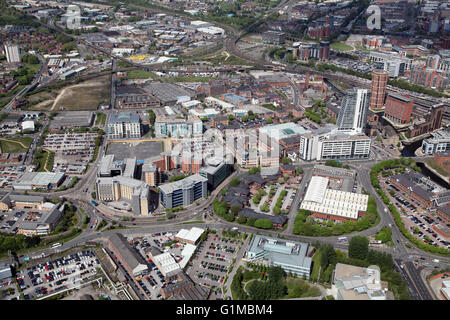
(341, 46)
(316, 266)
(15, 144)
(141, 74)
(101, 118)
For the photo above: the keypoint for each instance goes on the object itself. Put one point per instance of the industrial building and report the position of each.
(19, 201)
(12, 53)
(123, 125)
(183, 192)
(273, 37)
(129, 258)
(191, 236)
(39, 180)
(329, 204)
(289, 255)
(73, 119)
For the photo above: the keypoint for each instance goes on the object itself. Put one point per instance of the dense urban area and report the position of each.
(224, 150)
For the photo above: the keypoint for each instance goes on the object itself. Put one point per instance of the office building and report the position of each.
(216, 171)
(398, 108)
(124, 125)
(291, 256)
(12, 53)
(395, 68)
(170, 126)
(119, 188)
(330, 204)
(328, 143)
(354, 108)
(183, 192)
(46, 222)
(378, 89)
(110, 168)
(357, 283)
(430, 122)
(438, 142)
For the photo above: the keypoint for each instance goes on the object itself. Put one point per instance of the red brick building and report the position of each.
(398, 108)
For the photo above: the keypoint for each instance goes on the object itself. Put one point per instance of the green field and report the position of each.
(341, 46)
(101, 119)
(141, 74)
(15, 144)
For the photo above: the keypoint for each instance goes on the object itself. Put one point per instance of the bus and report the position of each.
(56, 245)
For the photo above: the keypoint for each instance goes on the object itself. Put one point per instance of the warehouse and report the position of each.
(39, 180)
(130, 259)
(325, 203)
(189, 236)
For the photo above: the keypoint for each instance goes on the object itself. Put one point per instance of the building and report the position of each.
(291, 256)
(276, 220)
(438, 142)
(5, 273)
(427, 77)
(416, 186)
(123, 125)
(73, 119)
(430, 122)
(357, 283)
(110, 168)
(183, 288)
(398, 108)
(378, 89)
(442, 159)
(12, 53)
(353, 113)
(273, 37)
(183, 192)
(170, 126)
(191, 236)
(18, 201)
(118, 188)
(326, 144)
(45, 224)
(128, 257)
(395, 68)
(39, 180)
(329, 204)
(443, 212)
(216, 171)
(166, 264)
(307, 50)
(150, 173)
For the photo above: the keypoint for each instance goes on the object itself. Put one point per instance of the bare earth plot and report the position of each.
(84, 96)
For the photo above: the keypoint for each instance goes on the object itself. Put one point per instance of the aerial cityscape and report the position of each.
(225, 150)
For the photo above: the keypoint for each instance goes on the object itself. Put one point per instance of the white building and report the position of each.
(124, 125)
(332, 204)
(12, 54)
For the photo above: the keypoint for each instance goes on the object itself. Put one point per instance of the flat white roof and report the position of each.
(316, 189)
(333, 202)
(190, 235)
(166, 262)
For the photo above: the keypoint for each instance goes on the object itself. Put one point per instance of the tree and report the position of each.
(286, 160)
(269, 121)
(358, 247)
(263, 224)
